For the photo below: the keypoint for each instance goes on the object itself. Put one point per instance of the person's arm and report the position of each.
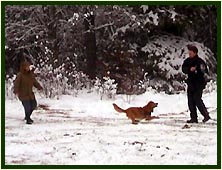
(37, 85)
(203, 66)
(17, 83)
(185, 67)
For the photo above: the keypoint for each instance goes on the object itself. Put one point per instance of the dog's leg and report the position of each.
(152, 117)
(135, 122)
(155, 117)
(148, 117)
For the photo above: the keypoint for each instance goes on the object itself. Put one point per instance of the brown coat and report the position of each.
(24, 82)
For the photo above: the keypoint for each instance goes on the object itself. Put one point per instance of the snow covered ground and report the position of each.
(87, 130)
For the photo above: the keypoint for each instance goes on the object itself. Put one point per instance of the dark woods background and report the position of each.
(101, 40)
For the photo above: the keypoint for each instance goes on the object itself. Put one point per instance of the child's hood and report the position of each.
(23, 65)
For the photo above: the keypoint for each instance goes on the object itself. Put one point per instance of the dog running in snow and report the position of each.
(138, 113)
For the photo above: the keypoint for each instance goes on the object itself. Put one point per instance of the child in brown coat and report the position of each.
(23, 84)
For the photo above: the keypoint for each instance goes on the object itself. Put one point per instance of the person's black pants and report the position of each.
(29, 106)
(195, 101)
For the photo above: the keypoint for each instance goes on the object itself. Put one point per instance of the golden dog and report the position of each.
(138, 113)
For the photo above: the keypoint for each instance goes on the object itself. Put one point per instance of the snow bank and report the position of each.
(87, 130)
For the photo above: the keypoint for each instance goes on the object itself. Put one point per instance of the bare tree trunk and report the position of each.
(90, 42)
(52, 33)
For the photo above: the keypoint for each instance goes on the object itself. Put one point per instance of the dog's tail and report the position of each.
(118, 109)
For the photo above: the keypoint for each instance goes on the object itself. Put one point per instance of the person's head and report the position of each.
(25, 66)
(192, 50)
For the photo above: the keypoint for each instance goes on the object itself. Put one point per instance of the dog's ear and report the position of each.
(150, 102)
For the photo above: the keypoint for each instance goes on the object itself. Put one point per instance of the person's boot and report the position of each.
(192, 121)
(28, 121)
(26, 115)
(31, 120)
(206, 118)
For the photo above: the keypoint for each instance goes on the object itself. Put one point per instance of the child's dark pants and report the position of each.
(29, 106)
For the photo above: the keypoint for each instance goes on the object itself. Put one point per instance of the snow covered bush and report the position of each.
(133, 88)
(62, 80)
(54, 83)
(145, 83)
(59, 81)
(165, 56)
(109, 87)
(210, 87)
(60, 77)
(78, 81)
(98, 87)
(105, 87)
(9, 91)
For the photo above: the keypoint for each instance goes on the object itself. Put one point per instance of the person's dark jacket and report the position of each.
(195, 79)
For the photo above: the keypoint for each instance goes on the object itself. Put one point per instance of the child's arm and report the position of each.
(37, 85)
(17, 83)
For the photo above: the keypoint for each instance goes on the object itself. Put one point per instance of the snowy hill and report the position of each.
(87, 130)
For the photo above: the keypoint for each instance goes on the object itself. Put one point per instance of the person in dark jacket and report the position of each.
(23, 84)
(195, 68)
